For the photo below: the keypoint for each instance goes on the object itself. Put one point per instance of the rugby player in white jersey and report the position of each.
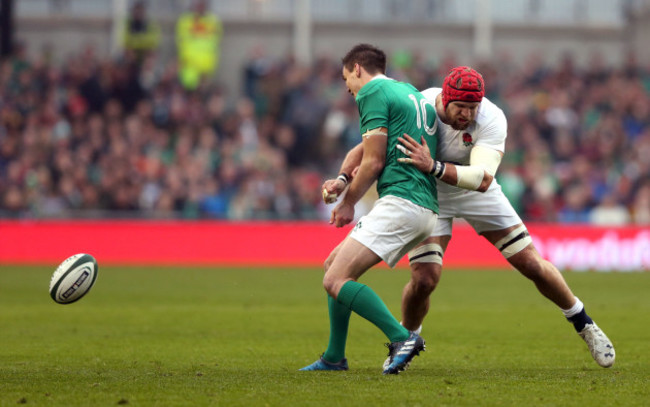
(471, 144)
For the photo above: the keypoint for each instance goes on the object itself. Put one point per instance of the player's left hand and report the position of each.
(342, 214)
(417, 154)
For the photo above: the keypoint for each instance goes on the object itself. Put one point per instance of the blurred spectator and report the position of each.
(140, 35)
(89, 138)
(641, 205)
(609, 213)
(576, 206)
(198, 37)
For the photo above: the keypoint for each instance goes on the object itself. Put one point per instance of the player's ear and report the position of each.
(357, 70)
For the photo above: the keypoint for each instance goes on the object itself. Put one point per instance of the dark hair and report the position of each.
(371, 58)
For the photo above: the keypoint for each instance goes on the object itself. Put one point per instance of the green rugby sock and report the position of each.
(364, 301)
(339, 322)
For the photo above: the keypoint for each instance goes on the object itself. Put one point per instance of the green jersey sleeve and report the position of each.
(373, 110)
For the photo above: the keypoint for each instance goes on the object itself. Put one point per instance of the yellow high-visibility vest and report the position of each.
(198, 38)
(146, 40)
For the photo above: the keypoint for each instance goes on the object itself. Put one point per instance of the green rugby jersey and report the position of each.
(400, 108)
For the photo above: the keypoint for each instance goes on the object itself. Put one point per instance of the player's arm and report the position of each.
(332, 188)
(372, 163)
(373, 160)
(477, 176)
(352, 160)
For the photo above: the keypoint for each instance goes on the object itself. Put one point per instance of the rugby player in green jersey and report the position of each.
(402, 217)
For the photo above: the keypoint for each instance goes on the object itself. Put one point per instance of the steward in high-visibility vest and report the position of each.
(140, 34)
(198, 36)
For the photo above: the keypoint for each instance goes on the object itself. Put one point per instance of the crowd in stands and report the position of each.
(96, 136)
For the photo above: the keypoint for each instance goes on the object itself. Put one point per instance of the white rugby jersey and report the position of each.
(488, 130)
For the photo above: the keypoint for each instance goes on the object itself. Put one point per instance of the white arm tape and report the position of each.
(482, 159)
(485, 157)
(469, 176)
(374, 132)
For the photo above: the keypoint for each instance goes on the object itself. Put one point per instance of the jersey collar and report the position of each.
(380, 76)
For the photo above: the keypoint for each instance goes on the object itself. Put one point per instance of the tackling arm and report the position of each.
(477, 176)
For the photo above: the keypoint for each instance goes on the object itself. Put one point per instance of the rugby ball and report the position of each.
(329, 198)
(73, 278)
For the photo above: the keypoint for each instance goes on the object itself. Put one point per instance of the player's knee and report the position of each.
(327, 264)
(425, 277)
(426, 266)
(332, 285)
(329, 285)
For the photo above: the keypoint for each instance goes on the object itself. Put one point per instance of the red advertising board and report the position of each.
(294, 244)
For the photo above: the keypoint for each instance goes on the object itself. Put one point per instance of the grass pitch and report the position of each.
(236, 337)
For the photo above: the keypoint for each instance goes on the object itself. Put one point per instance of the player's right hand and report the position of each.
(342, 214)
(417, 154)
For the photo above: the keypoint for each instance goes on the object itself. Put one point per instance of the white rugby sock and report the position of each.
(417, 331)
(577, 307)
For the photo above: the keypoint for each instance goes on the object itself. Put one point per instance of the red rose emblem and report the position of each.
(467, 140)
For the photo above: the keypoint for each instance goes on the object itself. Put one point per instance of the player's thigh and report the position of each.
(352, 259)
(332, 255)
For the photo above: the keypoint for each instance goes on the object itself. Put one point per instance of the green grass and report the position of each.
(236, 337)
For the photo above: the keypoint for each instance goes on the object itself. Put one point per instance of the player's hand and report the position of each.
(417, 154)
(342, 214)
(332, 189)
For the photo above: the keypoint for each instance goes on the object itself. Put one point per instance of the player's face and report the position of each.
(352, 81)
(461, 114)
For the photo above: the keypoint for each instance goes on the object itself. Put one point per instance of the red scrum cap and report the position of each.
(464, 84)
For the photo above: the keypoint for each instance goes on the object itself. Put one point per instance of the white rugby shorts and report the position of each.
(393, 227)
(484, 211)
